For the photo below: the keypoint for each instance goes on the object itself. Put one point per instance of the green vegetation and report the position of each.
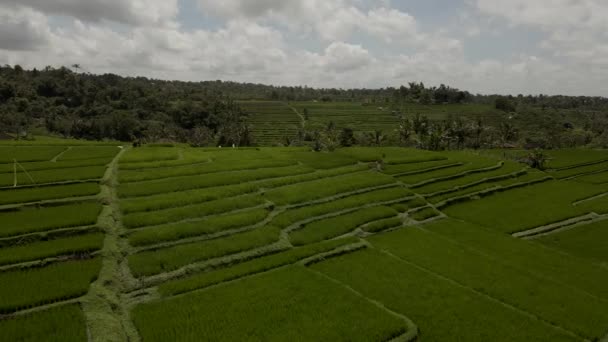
(220, 206)
(339, 225)
(509, 170)
(587, 241)
(405, 206)
(440, 308)
(317, 175)
(21, 289)
(271, 122)
(596, 178)
(53, 175)
(581, 170)
(549, 263)
(292, 216)
(150, 154)
(89, 152)
(78, 244)
(528, 178)
(205, 168)
(189, 157)
(170, 258)
(24, 195)
(196, 182)
(258, 265)
(60, 324)
(49, 165)
(422, 167)
(177, 231)
(32, 219)
(184, 198)
(29, 153)
(380, 225)
(286, 243)
(292, 304)
(423, 214)
(391, 155)
(533, 293)
(527, 207)
(314, 190)
(477, 165)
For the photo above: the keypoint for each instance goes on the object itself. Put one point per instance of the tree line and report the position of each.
(71, 103)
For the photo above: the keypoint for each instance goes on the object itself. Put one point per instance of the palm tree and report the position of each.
(376, 137)
(537, 159)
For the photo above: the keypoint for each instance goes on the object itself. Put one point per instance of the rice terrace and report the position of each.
(173, 243)
(303, 171)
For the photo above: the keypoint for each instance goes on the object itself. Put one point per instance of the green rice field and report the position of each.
(108, 242)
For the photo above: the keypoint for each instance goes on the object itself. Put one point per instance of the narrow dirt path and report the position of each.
(302, 118)
(106, 316)
(54, 159)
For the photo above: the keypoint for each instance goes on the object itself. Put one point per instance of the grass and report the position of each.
(525, 208)
(339, 225)
(412, 168)
(24, 195)
(168, 259)
(553, 264)
(597, 178)
(32, 219)
(64, 323)
(419, 179)
(29, 153)
(288, 305)
(587, 241)
(48, 165)
(184, 198)
(581, 170)
(271, 121)
(317, 175)
(529, 176)
(405, 206)
(551, 300)
(153, 187)
(77, 244)
(391, 155)
(220, 206)
(190, 156)
(53, 175)
(89, 152)
(441, 309)
(257, 265)
(292, 216)
(424, 214)
(149, 154)
(126, 176)
(508, 170)
(317, 189)
(380, 225)
(23, 289)
(178, 231)
(319, 160)
(561, 159)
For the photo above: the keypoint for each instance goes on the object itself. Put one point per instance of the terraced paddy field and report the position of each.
(108, 243)
(275, 122)
(272, 122)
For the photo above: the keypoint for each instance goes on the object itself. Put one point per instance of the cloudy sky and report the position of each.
(486, 46)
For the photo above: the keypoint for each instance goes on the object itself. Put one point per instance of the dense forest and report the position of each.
(70, 103)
